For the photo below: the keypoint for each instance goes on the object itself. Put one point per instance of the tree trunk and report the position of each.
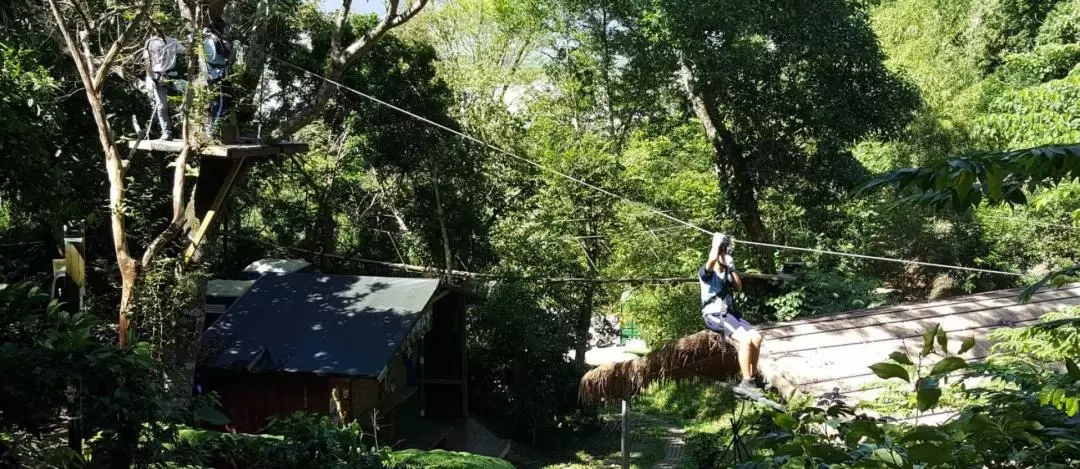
(442, 227)
(585, 311)
(584, 320)
(730, 165)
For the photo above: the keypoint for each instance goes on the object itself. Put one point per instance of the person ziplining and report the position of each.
(719, 279)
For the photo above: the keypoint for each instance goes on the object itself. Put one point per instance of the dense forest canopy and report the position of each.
(936, 131)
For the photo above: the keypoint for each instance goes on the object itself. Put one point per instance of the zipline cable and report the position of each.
(620, 197)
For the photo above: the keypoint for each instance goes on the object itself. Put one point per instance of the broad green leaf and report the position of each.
(785, 421)
(1029, 438)
(901, 358)
(966, 345)
(925, 433)
(994, 178)
(963, 184)
(942, 340)
(827, 453)
(860, 428)
(211, 415)
(890, 370)
(1072, 406)
(928, 340)
(927, 399)
(1073, 370)
(948, 365)
(887, 456)
(930, 453)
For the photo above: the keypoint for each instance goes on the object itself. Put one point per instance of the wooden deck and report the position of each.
(829, 356)
(234, 151)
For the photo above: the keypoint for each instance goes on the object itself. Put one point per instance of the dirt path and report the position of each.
(674, 450)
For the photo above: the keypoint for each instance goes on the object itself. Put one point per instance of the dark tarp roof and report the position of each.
(333, 324)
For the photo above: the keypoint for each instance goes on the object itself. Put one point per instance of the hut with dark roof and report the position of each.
(388, 347)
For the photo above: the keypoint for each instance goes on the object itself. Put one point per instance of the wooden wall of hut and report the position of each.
(250, 399)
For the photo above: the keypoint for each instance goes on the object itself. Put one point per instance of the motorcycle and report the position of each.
(604, 332)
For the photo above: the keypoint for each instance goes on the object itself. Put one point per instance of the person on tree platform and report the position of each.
(218, 55)
(162, 55)
(719, 279)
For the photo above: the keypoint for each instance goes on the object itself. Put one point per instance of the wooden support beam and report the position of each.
(72, 296)
(459, 310)
(75, 268)
(207, 220)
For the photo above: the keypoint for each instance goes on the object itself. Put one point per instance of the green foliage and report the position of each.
(1061, 23)
(1053, 341)
(996, 75)
(297, 441)
(409, 459)
(700, 400)
(1042, 64)
(665, 313)
(367, 187)
(817, 292)
(51, 361)
(1009, 424)
(518, 367)
(1003, 26)
(997, 178)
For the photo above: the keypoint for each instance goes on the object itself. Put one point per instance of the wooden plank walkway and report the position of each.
(829, 356)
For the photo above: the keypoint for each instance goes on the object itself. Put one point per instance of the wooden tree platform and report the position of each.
(219, 168)
(231, 151)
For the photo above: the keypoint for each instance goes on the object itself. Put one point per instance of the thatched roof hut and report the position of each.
(705, 353)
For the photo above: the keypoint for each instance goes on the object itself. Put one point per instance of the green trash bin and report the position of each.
(628, 331)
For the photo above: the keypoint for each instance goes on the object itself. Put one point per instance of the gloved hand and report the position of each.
(717, 240)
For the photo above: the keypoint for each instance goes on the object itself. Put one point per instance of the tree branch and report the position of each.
(339, 62)
(176, 224)
(339, 29)
(118, 45)
(80, 59)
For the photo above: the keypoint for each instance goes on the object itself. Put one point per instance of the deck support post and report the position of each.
(625, 437)
(206, 221)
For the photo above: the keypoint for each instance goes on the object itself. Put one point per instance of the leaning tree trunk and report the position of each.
(729, 160)
(585, 311)
(584, 320)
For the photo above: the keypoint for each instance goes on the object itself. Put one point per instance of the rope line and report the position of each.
(617, 196)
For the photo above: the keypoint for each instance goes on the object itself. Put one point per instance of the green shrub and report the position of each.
(416, 459)
(1042, 64)
(704, 450)
(301, 440)
(817, 292)
(690, 400)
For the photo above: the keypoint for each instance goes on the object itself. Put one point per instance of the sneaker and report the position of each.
(166, 136)
(747, 386)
